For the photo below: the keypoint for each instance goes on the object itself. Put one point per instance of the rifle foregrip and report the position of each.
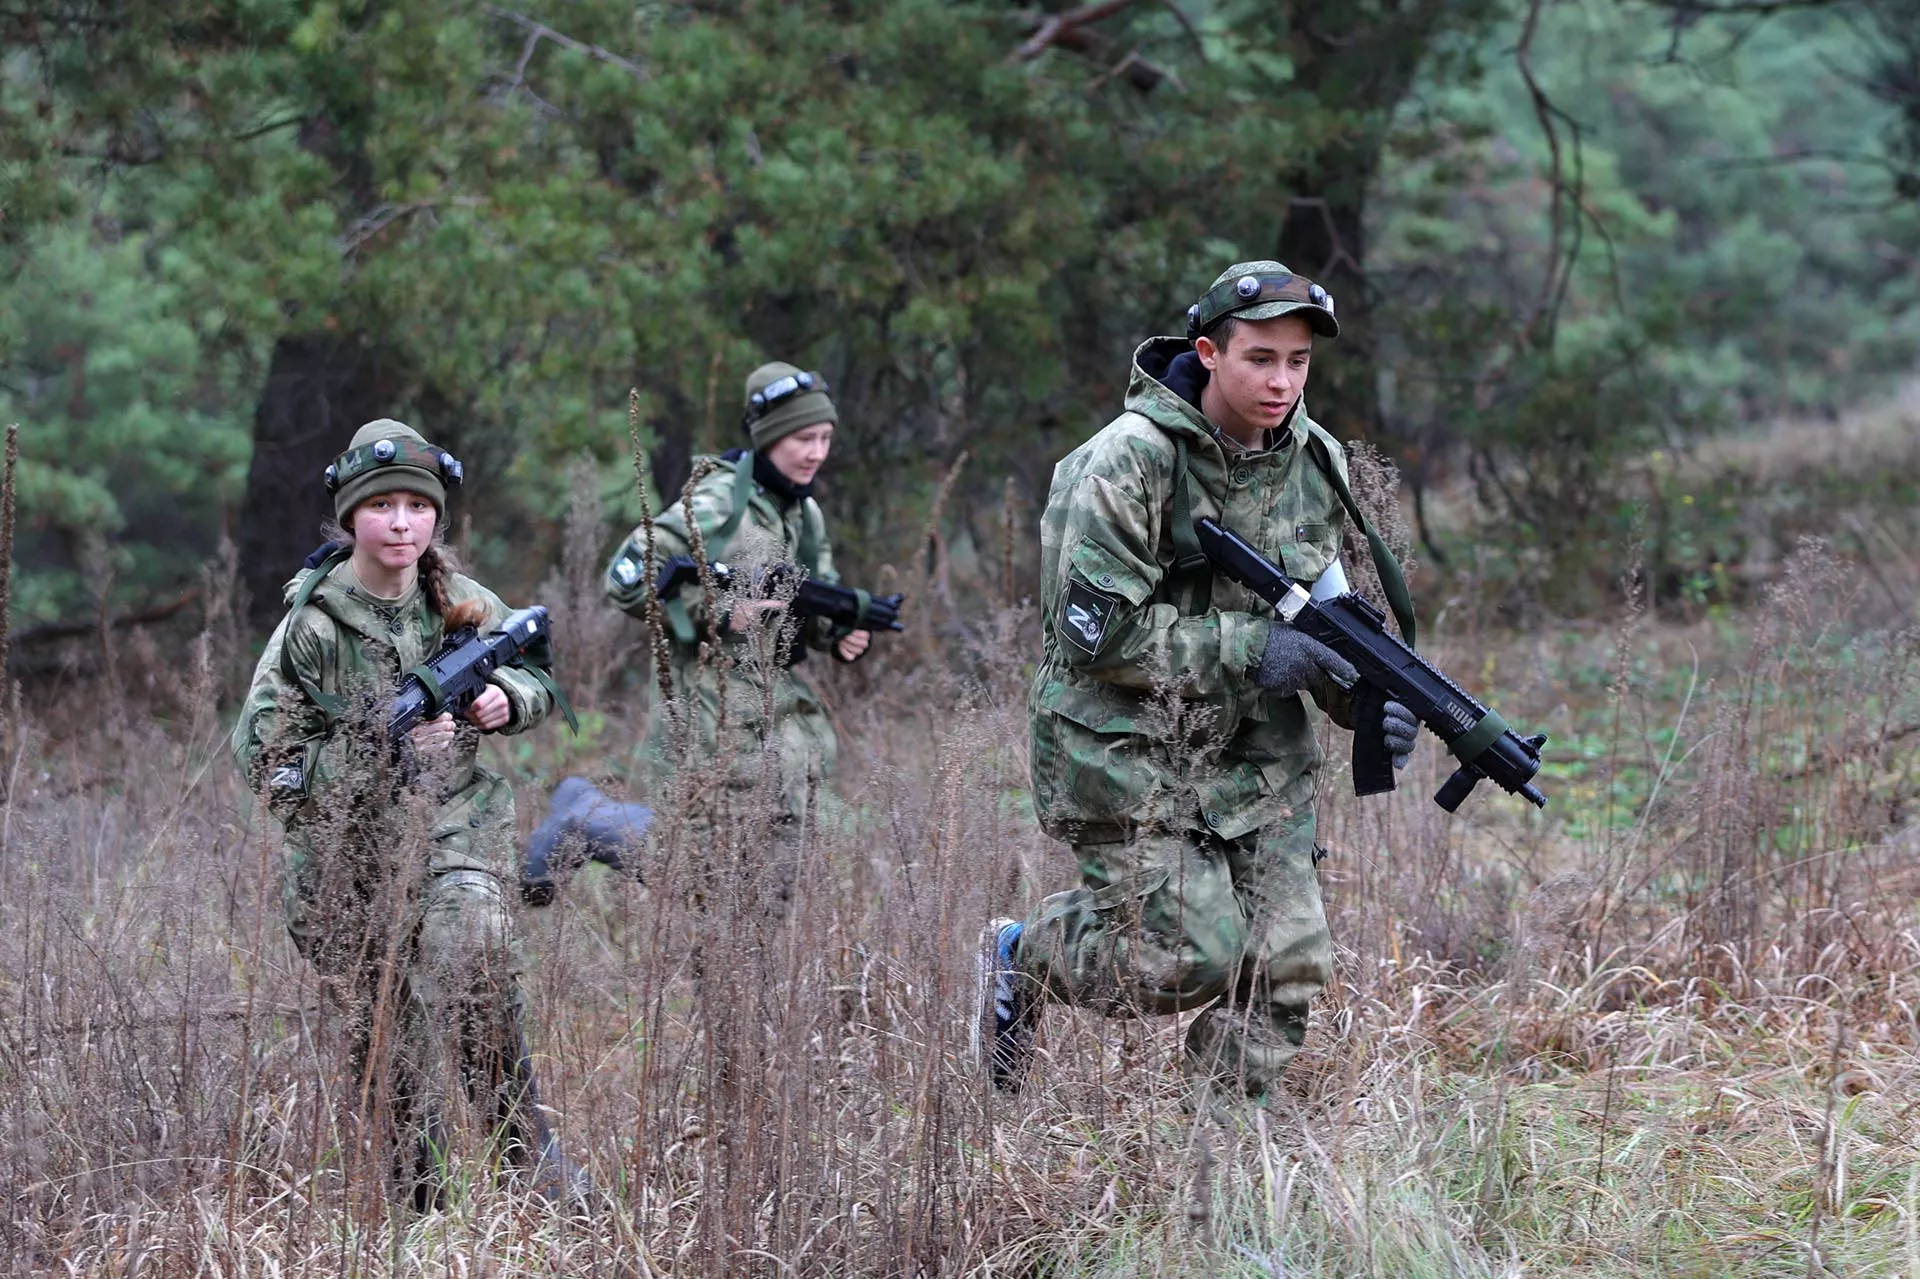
(1372, 761)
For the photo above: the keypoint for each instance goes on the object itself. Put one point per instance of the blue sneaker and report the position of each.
(1009, 1009)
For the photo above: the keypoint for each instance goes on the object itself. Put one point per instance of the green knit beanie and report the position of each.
(799, 401)
(386, 456)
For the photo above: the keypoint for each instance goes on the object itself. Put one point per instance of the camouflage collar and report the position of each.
(342, 598)
(1153, 399)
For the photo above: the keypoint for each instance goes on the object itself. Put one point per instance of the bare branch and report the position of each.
(1072, 31)
(1337, 254)
(47, 632)
(1053, 27)
(372, 224)
(1563, 242)
(538, 31)
(1186, 24)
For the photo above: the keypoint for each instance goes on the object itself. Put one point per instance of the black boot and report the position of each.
(528, 1140)
(421, 1151)
(430, 1166)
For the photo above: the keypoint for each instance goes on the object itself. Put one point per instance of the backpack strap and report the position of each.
(1191, 567)
(813, 527)
(1392, 581)
(743, 486)
(331, 705)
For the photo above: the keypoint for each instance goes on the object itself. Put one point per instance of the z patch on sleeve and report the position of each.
(1086, 615)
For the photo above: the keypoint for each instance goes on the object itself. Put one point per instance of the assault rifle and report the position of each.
(1389, 671)
(844, 606)
(454, 676)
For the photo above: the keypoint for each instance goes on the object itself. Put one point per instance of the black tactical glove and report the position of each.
(1401, 728)
(1294, 663)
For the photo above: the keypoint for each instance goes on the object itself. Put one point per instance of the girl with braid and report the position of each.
(396, 861)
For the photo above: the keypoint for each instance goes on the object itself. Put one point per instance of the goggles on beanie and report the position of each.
(1228, 296)
(762, 401)
(400, 452)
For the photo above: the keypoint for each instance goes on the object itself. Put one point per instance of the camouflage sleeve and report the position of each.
(1106, 573)
(279, 726)
(626, 579)
(527, 698)
(627, 583)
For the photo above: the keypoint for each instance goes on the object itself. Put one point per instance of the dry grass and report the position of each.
(1665, 1028)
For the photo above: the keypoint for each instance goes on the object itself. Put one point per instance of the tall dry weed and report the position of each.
(1545, 1029)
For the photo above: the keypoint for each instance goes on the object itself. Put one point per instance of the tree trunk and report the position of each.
(1360, 60)
(1324, 238)
(319, 390)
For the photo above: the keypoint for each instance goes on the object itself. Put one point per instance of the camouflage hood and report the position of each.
(1165, 389)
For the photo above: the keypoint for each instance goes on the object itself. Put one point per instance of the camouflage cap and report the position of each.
(784, 398)
(386, 456)
(1260, 291)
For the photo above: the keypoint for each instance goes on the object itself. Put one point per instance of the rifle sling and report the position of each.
(436, 695)
(544, 678)
(1469, 745)
(1189, 561)
(1392, 581)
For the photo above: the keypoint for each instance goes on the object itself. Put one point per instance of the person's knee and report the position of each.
(466, 940)
(1206, 956)
(1195, 921)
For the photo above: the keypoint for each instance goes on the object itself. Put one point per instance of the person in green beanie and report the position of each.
(754, 509)
(396, 865)
(1191, 816)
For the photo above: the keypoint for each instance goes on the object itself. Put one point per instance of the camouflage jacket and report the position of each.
(1144, 712)
(772, 530)
(349, 643)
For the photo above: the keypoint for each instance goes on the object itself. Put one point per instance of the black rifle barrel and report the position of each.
(841, 605)
(456, 674)
(1389, 670)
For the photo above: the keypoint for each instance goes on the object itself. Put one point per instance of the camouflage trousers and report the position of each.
(1166, 923)
(749, 790)
(445, 953)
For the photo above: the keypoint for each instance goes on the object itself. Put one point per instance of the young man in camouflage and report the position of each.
(1171, 741)
(754, 509)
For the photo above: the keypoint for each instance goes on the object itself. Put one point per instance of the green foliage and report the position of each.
(522, 214)
(136, 438)
(1734, 253)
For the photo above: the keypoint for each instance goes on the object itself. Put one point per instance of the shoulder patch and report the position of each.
(1086, 615)
(627, 566)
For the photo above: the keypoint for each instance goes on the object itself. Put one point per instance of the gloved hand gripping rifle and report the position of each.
(844, 606)
(1389, 671)
(454, 676)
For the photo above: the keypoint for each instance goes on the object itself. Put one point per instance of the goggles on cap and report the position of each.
(1228, 296)
(762, 401)
(400, 452)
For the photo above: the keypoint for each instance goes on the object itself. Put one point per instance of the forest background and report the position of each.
(1564, 238)
(1630, 296)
